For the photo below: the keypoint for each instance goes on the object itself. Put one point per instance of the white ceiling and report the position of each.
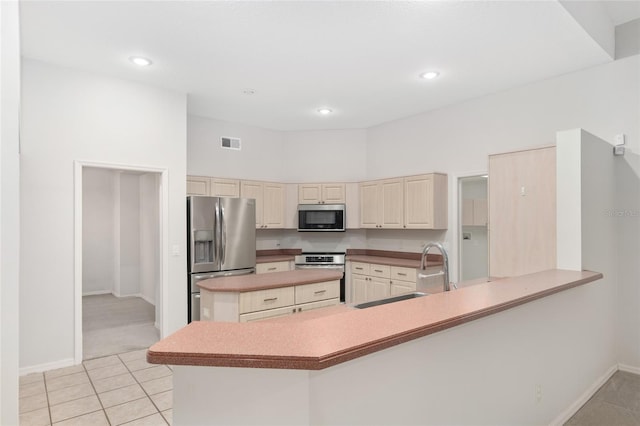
(361, 59)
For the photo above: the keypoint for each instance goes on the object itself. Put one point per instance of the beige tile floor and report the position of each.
(112, 390)
(617, 402)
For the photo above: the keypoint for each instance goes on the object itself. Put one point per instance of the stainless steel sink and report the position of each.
(389, 300)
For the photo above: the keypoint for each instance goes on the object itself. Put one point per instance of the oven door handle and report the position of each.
(337, 267)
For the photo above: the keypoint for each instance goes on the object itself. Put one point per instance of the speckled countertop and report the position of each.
(323, 341)
(242, 283)
(276, 255)
(392, 258)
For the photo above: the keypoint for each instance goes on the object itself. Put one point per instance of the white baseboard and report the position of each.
(96, 293)
(39, 368)
(591, 390)
(147, 299)
(629, 368)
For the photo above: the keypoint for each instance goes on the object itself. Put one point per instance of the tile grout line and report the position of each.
(96, 394)
(145, 391)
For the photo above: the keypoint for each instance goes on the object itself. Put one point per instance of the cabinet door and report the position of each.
(315, 305)
(225, 187)
(309, 193)
(333, 193)
(522, 212)
(480, 212)
(378, 288)
(391, 207)
(273, 206)
(261, 300)
(401, 287)
(270, 313)
(467, 212)
(369, 201)
(317, 291)
(253, 189)
(265, 268)
(198, 185)
(359, 285)
(418, 202)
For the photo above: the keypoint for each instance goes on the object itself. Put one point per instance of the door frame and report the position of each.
(163, 214)
(457, 231)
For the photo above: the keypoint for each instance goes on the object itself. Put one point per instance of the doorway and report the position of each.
(473, 241)
(119, 284)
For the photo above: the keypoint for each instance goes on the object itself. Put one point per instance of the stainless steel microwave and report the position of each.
(321, 217)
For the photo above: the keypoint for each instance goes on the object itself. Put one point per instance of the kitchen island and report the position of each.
(248, 298)
(425, 360)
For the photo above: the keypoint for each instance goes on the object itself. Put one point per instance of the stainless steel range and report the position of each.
(323, 260)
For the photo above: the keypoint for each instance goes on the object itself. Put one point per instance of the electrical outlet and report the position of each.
(538, 393)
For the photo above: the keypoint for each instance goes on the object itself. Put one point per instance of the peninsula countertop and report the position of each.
(243, 283)
(327, 340)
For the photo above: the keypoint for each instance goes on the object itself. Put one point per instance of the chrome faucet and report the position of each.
(445, 264)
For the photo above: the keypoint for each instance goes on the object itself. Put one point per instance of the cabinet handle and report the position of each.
(270, 299)
(320, 292)
(402, 274)
(272, 268)
(299, 309)
(294, 310)
(377, 270)
(359, 269)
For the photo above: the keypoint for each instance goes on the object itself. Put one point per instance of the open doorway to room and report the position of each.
(121, 260)
(473, 234)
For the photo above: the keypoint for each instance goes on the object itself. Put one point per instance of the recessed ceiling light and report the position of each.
(325, 111)
(429, 75)
(140, 61)
(249, 92)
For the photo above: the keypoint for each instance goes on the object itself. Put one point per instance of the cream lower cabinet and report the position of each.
(270, 303)
(371, 281)
(264, 268)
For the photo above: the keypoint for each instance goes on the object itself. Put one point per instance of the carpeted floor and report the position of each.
(113, 325)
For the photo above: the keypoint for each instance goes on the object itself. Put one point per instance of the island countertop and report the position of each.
(328, 340)
(243, 283)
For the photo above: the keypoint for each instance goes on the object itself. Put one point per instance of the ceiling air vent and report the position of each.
(230, 143)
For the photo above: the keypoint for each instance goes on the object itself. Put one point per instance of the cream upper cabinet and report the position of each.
(198, 185)
(474, 212)
(321, 193)
(522, 212)
(412, 202)
(215, 187)
(270, 202)
(381, 204)
(425, 201)
(274, 204)
(369, 196)
(225, 187)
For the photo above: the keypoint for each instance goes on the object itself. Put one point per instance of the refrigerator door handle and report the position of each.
(218, 248)
(223, 244)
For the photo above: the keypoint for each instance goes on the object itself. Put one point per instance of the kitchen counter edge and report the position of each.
(308, 345)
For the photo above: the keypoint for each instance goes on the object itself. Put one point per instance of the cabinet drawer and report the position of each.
(270, 313)
(263, 268)
(360, 268)
(382, 271)
(260, 300)
(403, 274)
(317, 291)
(316, 305)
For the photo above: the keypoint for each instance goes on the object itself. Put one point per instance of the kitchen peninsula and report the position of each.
(424, 360)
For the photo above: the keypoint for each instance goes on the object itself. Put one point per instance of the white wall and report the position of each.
(260, 158)
(98, 238)
(327, 155)
(9, 209)
(150, 238)
(71, 115)
(129, 236)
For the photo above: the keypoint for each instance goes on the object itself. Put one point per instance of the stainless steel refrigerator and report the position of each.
(221, 241)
